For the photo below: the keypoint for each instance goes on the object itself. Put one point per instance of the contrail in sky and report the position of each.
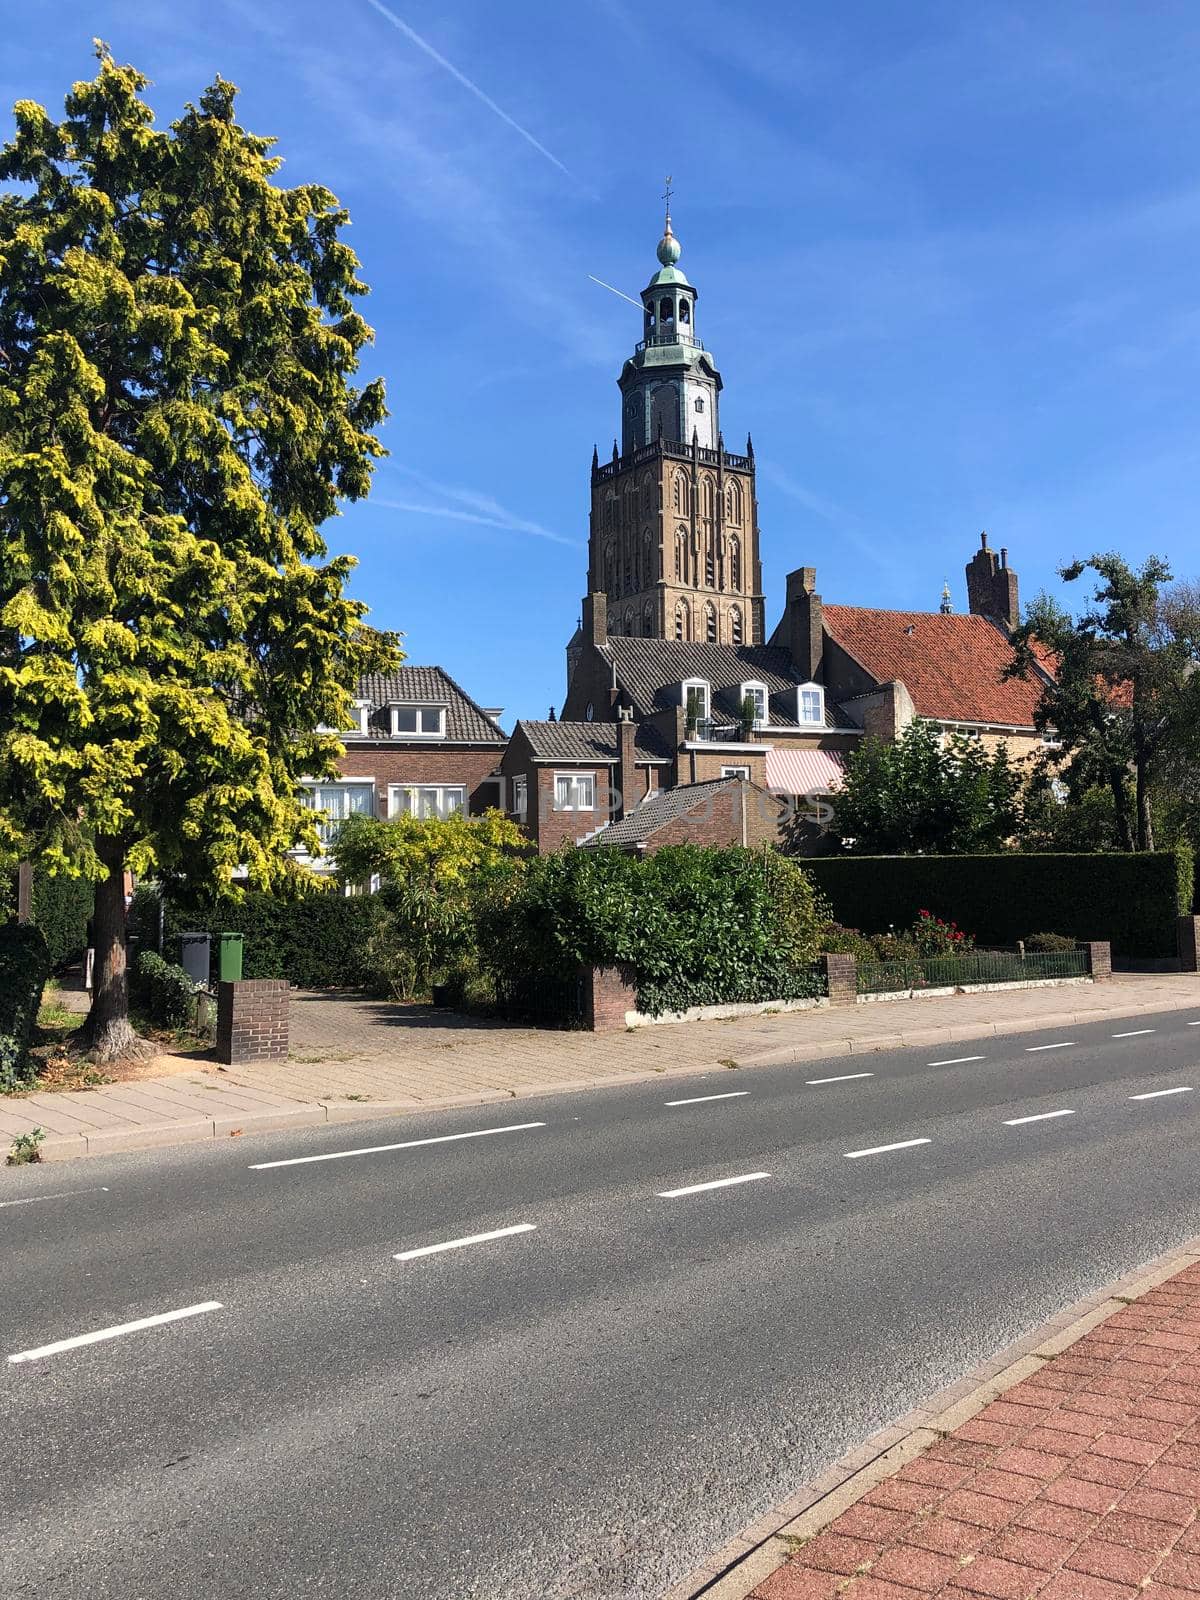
(460, 77)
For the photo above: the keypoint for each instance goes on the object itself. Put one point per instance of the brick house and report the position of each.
(721, 811)
(420, 744)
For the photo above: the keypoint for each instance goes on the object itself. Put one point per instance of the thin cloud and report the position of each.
(466, 505)
(461, 77)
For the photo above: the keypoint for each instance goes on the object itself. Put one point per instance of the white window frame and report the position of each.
(759, 690)
(576, 781)
(1051, 739)
(318, 786)
(397, 792)
(420, 709)
(705, 687)
(520, 796)
(736, 772)
(804, 720)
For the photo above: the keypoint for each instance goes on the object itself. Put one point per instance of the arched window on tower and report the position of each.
(629, 621)
(710, 566)
(666, 314)
(733, 502)
(646, 493)
(677, 491)
(683, 621)
(735, 625)
(610, 576)
(710, 623)
(647, 561)
(648, 619)
(735, 563)
(681, 554)
(709, 499)
(685, 313)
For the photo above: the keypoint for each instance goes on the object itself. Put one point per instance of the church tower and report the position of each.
(673, 544)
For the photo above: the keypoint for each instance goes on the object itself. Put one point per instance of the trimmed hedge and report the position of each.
(24, 967)
(317, 941)
(1131, 900)
(165, 991)
(61, 908)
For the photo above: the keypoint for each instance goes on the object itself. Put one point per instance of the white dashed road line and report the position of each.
(844, 1077)
(882, 1149)
(717, 1183)
(1065, 1044)
(379, 1149)
(1041, 1116)
(471, 1238)
(954, 1061)
(1157, 1094)
(63, 1194)
(699, 1099)
(114, 1333)
(1134, 1033)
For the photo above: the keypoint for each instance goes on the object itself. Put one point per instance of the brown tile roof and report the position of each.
(952, 666)
(594, 742)
(465, 721)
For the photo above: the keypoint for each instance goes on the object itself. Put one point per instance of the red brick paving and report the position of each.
(1081, 1483)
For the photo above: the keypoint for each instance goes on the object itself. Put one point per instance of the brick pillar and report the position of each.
(841, 977)
(608, 993)
(1187, 936)
(1099, 958)
(252, 1020)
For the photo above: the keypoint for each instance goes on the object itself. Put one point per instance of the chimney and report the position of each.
(804, 633)
(626, 764)
(992, 587)
(595, 618)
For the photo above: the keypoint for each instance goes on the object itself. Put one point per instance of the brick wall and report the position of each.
(608, 993)
(454, 764)
(549, 827)
(708, 764)
(252, 1020)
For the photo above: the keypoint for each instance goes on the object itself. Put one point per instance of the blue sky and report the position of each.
(946, 253)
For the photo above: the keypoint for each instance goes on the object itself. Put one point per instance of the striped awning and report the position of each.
(802, 772)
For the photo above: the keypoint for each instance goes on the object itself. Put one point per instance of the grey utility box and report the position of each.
(195, 955)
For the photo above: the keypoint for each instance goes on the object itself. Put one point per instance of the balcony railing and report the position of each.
(711, 731)
(676, 452)
(657, 340)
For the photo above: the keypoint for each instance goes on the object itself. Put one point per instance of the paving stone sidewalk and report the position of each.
(1081, 1483)
(355, 1058)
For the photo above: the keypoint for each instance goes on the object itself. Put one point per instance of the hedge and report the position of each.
(24, 965)
(1131, 900)
(317, 941)
(61, 908)
(166, 992)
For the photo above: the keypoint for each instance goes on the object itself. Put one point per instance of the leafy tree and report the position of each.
(927, 794)
(1053, 818)
(435, 875)
(1125, 695)
(178, 341)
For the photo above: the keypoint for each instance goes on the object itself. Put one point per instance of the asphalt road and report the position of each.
(582, 1408)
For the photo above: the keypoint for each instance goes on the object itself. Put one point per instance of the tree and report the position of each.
(927, 794)
(1120, 687)
(178, 341)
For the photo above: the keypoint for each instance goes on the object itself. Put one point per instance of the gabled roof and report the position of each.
(665, 805)
(651, 670)
(952, 666)
(594, 742)
(466, 722)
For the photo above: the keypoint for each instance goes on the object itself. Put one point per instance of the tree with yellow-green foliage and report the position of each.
(178, 417)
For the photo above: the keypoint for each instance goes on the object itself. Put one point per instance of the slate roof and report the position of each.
(952, 666)
(651, 670)
(594, 742)
(666, 805)
(465, 720)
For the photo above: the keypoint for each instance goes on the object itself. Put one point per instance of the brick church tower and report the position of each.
(673, 544)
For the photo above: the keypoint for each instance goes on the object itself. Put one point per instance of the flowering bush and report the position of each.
(933, 937)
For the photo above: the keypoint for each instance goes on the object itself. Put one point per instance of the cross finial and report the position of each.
(667, 193)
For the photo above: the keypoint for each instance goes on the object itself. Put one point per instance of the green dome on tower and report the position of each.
(669, 247)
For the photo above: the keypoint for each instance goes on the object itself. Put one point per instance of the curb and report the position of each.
(71, 1146)
(765, 1545)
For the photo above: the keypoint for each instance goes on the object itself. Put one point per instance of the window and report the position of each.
(589, 712)
(699, 402)
(574, 791)
(810, 704)
(710, 623)
(756, 692)
(710, 571)
(338, 801)
(666, 312)
(685, 313)
(680, 552)
(520, 796)
(735, 624)
(629, 622)
(695, 699)
(648, 619)
(733, 501)
(683, 622)
(735, 772)
(735, 564)
(1051, 740)
(419, 722)
(425, 799)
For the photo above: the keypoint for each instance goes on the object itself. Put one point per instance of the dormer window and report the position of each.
(419, 722)
(362, 712)
(810, 705)
(695, 694)
(753, 704)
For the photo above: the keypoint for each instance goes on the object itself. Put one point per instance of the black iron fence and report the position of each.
(966, 971)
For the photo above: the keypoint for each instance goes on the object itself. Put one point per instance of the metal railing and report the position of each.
(658, 339)
(676, 451)
(961, 972)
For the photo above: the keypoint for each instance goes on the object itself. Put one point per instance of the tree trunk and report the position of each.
(1145, 821)
(107, 1031)
(1121, 807)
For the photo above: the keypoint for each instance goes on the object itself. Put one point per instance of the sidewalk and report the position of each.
(1071, 1472)
(353, 1058)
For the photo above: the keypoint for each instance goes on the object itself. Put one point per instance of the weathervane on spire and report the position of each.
(667, 193)
(669, 248)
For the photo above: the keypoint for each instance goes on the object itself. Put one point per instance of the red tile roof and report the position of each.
(952, 666)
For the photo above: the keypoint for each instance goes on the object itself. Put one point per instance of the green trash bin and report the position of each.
(229, 957)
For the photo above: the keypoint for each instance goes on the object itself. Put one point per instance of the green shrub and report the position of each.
(317, 940)
(847, 942)
(61, 908)
(1131, 900)
(164, 992)
(696, 926)
(1051, 941)
(24, 967)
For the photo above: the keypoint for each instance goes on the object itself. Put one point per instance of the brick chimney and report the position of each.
(992, 586)
(595, 618)
(804, 633)
(626, 764)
